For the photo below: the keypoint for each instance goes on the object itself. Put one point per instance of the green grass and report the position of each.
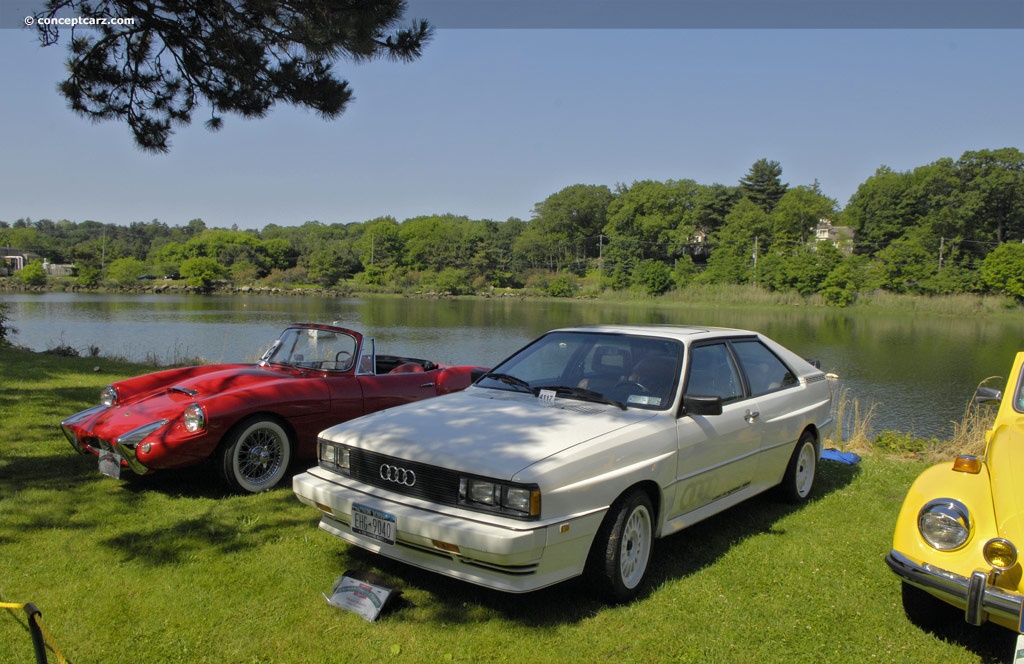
(171, 569)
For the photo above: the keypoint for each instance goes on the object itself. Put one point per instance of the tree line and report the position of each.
(952, 226)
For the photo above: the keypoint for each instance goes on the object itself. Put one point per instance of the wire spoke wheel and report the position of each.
(256, 455)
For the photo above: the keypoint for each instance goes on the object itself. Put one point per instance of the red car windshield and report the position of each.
(311, 348)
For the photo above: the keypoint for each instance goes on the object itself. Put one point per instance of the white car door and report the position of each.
(717, 453)
(781, 415)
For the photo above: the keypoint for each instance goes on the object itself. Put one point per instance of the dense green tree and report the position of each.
(798, 212)
(125, 271)
(840, 286)
(711, 204)
(381, 243)
(653, 276)
(32, 274)
(880, 210)
(565, 228)
(202, 271)
(763, 184)
(738, 245)
(1003, 269)
(232, 57)
(5, 327)
(992, 198)
(904, 265)
(652, 220)
(325, 265)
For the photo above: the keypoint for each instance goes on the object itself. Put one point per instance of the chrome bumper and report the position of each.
(69, 432)
(978, 597)
(123, 446)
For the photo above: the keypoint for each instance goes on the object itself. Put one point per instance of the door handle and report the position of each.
(427, 385)
(751, 416)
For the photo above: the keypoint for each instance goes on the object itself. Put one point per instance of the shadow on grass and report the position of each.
(674, 557)
(991, 643)
(186, 513)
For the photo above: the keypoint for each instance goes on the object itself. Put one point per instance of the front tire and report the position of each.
(798, 482)
(622, 547)
(255, 455)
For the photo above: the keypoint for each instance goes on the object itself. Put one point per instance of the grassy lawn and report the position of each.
(170, 568)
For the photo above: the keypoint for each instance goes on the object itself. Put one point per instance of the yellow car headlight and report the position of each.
(945, 524)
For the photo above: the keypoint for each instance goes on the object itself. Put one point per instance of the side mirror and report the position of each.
(701, 405)
(988, 396)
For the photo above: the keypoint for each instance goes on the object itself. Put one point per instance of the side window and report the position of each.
(368, 358)
(713, 373)
(765, 372)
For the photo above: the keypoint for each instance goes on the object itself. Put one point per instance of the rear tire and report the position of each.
(255, 455)
(622, 548)
(798, 482)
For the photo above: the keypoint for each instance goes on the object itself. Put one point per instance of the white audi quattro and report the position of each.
(575, 454)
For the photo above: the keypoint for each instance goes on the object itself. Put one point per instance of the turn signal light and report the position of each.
(967, 464)
(445, 546)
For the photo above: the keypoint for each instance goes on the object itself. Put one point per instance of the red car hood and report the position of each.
(169, 392)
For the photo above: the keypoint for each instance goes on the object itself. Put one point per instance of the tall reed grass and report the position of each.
(854, 433)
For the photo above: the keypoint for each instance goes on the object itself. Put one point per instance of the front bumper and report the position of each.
(76, 430)
(511, 557)
(976, 595)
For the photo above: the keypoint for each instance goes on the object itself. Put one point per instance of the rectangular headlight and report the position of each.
(503, 498)
(333, 456)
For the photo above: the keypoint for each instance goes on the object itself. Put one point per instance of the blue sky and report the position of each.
(492, 121)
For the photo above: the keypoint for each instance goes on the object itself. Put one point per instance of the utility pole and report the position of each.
(755, 260)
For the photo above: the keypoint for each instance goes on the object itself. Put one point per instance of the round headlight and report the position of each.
(195, 419)
(945, 524)
(108, 396)
(1000, 553)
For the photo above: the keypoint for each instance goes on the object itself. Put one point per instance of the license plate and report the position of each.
(110, 464)
(375, 524)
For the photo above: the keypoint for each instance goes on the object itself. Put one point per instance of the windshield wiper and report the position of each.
(582, 394)
(509, 379)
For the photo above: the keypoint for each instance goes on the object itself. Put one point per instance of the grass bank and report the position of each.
(171, 569)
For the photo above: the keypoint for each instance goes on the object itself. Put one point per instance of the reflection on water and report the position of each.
(920, 371)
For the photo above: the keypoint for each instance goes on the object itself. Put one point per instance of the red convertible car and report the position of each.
(252, 419)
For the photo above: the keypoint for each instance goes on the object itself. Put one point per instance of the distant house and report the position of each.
(58, 269)
(15, 259)
(841, 237)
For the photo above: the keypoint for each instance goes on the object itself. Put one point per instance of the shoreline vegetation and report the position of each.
(718, 294)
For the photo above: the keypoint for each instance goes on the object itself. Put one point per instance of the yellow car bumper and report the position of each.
(976, 595)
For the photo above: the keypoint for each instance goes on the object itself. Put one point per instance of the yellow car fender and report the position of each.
(942, 482)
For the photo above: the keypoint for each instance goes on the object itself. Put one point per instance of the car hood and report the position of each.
(488, 432)
(168, 400)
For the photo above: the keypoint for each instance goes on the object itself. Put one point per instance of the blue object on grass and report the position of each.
(832, 454)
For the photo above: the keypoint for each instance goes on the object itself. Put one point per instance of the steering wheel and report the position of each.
(631, 386)
(343, 357)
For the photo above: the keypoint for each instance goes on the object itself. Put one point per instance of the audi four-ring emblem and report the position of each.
(397, 474)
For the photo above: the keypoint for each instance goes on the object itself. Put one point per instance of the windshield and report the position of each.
(635, 371)
(310, 348)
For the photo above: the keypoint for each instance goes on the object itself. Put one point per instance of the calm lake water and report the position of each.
(919, 371)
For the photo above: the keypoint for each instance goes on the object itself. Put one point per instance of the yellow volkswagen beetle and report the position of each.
(962, 522)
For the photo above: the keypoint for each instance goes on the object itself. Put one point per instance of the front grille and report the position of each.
(434, 484)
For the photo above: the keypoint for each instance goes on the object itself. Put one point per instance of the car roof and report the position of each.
(688, 333)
